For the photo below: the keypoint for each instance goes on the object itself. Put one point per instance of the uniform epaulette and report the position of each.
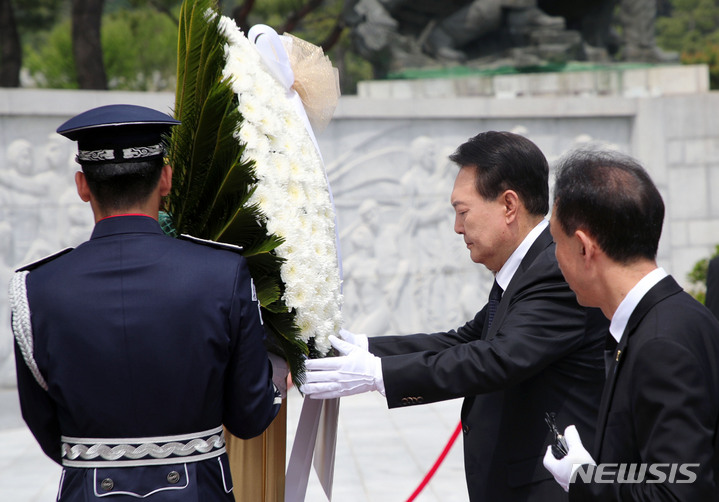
(42, 261)
(214, 244)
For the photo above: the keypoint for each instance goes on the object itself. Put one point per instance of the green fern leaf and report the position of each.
(212, 183)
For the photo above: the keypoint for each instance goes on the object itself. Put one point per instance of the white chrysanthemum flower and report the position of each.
(249, 135)
(291, 191)
(262, 197)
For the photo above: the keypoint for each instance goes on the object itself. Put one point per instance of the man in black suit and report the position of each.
(531, 350)
(659, 411)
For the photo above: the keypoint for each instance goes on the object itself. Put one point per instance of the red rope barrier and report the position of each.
(437, 463)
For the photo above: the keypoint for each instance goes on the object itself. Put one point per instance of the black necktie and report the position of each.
(610, 347)
(495, 295)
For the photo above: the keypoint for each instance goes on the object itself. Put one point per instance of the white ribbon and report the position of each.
(314, 412)
(271, 47)
(313, 440)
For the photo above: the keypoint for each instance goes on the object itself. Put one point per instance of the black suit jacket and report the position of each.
(661, 401)
(543, 353)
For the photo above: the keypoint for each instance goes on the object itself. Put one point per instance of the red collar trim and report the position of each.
(128, 214)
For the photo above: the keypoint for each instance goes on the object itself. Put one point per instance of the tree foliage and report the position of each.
(131, 65)
(690, 27)
(139, 39)
(693, 31)
(10, 50)
(49, 60)
(697, 277)
(139, 52)
(35, 15)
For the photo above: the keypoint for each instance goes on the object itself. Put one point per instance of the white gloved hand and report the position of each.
(564, 468)
(354, 372)
(355, 339)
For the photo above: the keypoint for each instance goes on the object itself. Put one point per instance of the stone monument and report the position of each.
(398, 34)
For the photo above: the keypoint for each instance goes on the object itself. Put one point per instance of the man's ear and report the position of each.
(165, 184)
(510, 199)
(83, 190)
(587, 245)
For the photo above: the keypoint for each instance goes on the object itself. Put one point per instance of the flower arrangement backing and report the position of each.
(246, 172)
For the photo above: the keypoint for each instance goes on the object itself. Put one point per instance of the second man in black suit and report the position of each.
(532, 349)
(657, 434)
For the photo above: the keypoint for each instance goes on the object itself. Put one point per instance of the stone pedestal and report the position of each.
(620, 80)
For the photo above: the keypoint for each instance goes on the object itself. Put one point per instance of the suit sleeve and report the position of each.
(38, 410)
(674, 423)
(542, 323)
(251, 402)
(404, 344)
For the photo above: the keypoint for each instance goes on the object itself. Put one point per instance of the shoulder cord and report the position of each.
(21, 324)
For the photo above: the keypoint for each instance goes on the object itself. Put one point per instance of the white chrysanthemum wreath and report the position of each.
(291, 192)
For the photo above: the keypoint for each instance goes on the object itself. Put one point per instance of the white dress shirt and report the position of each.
(630, 302)
(505, 274)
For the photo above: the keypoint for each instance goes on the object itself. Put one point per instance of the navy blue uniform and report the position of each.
(139, 335)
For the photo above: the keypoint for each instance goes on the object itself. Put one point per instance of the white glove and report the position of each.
(355, 339)
(564, 468)
(354, 372)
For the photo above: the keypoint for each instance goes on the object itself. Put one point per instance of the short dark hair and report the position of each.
(507, 161)
(118, 186)
(610, 196)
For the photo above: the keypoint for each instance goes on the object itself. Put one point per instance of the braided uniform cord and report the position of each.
(21, 324)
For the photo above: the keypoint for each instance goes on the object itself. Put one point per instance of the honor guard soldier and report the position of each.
(134, 348)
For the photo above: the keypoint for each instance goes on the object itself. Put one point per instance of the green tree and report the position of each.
(130, 27)
(10, 51)
(20, 20)
(86, 16)
(697, 277)
(48, 59)
(693, 31)
(126, 37)
(130, 64)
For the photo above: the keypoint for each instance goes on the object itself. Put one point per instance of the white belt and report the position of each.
(133, 452)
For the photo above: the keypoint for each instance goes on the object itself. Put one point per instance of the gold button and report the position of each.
(173, 477)
(107, 484)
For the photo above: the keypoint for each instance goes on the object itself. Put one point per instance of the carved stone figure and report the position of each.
(637, 18)
(7, 356)
(366, 308)
(594, 19)
(22, 194)
(398, 34)
(19, 177)
(400, 253)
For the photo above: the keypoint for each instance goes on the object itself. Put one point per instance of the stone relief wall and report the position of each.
(401, 259)
(40, 213)
(405, 270)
